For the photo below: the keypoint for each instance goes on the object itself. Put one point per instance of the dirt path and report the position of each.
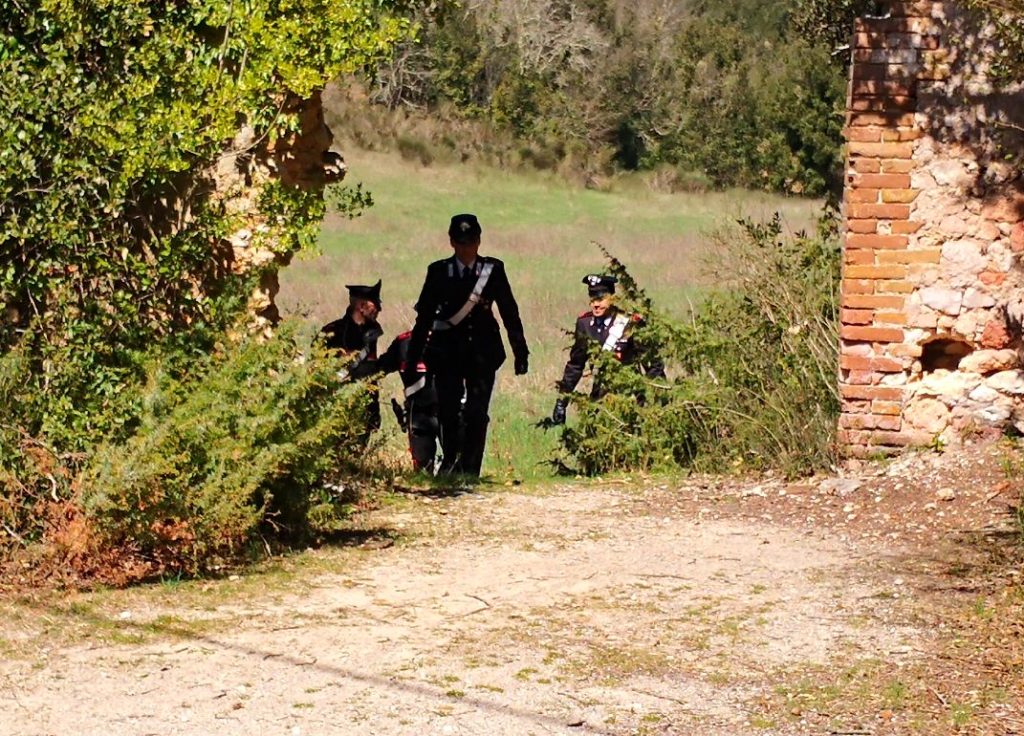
(696, 609)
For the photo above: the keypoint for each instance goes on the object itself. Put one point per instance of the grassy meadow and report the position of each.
(543, 229)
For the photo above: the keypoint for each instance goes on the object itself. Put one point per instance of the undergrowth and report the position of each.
(224, 461)
(752, 375)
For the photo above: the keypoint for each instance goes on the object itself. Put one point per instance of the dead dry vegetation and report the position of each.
(885, 601)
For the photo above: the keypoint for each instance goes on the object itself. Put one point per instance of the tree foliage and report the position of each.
(724, 90)
(112, 251)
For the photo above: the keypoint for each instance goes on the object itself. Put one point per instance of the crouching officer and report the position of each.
(608, 326)
(355, 335)
(418, 416)
(465, 342)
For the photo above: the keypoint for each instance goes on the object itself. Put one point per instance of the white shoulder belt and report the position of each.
(474, 299)
(615, 332)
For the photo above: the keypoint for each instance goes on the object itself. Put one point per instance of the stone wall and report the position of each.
(934, 233)
(301, 159)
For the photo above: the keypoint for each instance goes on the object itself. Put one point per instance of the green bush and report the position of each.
(112, 250)
(237, 448)
(752, 376)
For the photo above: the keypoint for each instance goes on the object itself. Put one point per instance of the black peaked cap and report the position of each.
(360, 291)
(464, 228)
(599, 284)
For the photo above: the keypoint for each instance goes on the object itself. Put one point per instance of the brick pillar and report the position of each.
(890, 57)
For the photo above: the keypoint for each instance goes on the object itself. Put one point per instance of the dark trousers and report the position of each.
(463, 398)
(421, 426)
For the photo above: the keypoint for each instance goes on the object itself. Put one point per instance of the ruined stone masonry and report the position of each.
(934, 234)
(302, 159)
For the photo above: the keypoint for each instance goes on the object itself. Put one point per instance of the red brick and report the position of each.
(898, 166)
(885, 393)
(858, 195)
(858, 286)
(854, 362)
(863, 134)
(857, 421)
(859, 378)
(869, 71)
(849, 437)
(996, 335)
(931, 255)
(871, 334)
(906, 351)
(882, 150)
(875, 365)
(882, 181)
(875, 272)
(868, 40)
(865, 165)
(900, 439)
(893, 103)
(992, 278)
(894, 287)
(849, 406)
(903, 40)
(878, 87)
(887, 407)
(891, 423)
(891, 120)
(881, 211)
(862, 226)
(899, 196)
(892, 25)
(1017, 238)
(867, 240)
(889, 136)
(858, 257)
(891, 318)
(886, 365)
(906, 227)
(856, 316)
(872, 301)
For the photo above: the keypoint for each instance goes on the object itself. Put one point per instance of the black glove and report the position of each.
(522, 365)
(558, 413)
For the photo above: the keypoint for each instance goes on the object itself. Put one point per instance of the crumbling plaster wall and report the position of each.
(934, 235)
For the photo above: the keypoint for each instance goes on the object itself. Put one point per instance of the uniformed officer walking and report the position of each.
(608, 326)
(355, 335)
(465, 343)
(418, 414)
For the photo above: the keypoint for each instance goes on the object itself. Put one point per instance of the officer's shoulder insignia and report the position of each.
(585, 315)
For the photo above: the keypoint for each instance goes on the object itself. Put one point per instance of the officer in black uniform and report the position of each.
(356, 335)
(418, 416)
(608, 326)
(465, 343)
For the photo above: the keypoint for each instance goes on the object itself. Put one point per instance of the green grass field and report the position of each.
(543, 229)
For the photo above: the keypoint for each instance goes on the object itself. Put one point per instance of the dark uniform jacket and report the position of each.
(351, 338)
(396, 358)
(475, 343)
(591, 329)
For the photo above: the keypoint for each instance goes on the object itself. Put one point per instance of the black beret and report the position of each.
(464, 229)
